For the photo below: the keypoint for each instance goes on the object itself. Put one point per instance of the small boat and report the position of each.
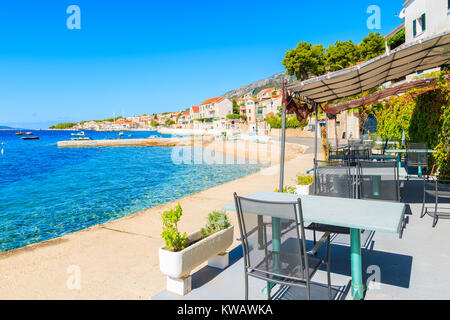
(81, 139)
(153, 137)
(30, 138)
(78, 134)
(20, 133)
(121, 134)
(28, 133)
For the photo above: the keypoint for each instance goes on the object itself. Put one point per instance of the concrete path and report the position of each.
(415, 267)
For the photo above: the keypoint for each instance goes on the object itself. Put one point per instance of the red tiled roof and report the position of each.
(186, 112)
(213, 100)
(195, 109)
(268, 90)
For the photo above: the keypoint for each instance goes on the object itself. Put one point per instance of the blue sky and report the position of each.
(133, 57)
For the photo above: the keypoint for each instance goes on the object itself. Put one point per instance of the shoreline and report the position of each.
(109, 269)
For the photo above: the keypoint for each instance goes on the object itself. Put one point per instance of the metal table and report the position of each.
(351, 213)
(400, 151)
(368, 171)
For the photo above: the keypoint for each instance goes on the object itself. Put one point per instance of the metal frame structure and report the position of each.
(407, 59)
(272, 277)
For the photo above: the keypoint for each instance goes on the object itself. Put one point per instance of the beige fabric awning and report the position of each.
(420, 55)
(427, 84)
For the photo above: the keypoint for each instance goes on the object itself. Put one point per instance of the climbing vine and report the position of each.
(423, 117)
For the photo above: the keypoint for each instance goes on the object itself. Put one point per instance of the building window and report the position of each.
(419, 25)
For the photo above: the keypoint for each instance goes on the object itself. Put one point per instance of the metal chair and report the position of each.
(379, 180)
(338, 154)
(283, 257)
(358, 152)
(440, 190)
(415, 158)
(332, 179)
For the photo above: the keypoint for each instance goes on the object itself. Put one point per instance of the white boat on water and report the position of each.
(81, 139)
(78, 134)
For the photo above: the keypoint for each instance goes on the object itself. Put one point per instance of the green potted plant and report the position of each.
(182, 253)
(304, 184)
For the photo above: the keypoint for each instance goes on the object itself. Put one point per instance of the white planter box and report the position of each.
(304, 189)
(178, 265)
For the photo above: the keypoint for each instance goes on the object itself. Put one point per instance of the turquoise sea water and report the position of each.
(46, 192)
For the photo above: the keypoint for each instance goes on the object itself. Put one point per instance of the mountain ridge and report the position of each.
(273, 81)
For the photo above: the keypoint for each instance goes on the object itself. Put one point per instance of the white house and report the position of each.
(251, 109)
(216, 108)
(425, 18)
(194, 113)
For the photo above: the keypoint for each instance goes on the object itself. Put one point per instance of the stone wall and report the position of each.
(292, 132)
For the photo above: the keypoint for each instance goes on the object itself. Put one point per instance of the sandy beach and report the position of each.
(119, 259)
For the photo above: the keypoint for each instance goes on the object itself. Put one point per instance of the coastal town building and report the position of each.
(267, 93)
(194, 113)
(425, 18)
(184, 119)
(216, 108)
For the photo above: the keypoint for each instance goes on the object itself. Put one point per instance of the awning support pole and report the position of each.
(315, 143)
(283, 138)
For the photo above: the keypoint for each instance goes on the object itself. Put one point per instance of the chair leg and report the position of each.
(423, 212)
(246, 286)
(402, 228)
(330, 294)
(308, 291)
(435, 220)
(268, 290)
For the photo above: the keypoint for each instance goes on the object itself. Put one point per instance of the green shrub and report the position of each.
(305, 179)
(217, 220)
(397, 39)
(169, 122)
(63, 125)
(291, 122)
(287, 189)
(174, 240)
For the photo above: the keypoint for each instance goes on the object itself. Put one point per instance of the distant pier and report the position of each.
(155, 142)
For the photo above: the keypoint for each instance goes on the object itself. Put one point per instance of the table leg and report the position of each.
(419, 172)
(399, 159)
(276, 246)
(260, 233)
(357, 283)
(276, 241)
(376, 181)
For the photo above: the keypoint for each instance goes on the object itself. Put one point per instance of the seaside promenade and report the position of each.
(119, 259)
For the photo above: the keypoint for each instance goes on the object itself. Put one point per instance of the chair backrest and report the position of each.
(266, 236)
(442, 191)
(333, 179)
(417, 158)
(338, 154)
(353, 142)
(379, 180)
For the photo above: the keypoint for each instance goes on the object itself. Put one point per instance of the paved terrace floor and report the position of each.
(414, 267)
